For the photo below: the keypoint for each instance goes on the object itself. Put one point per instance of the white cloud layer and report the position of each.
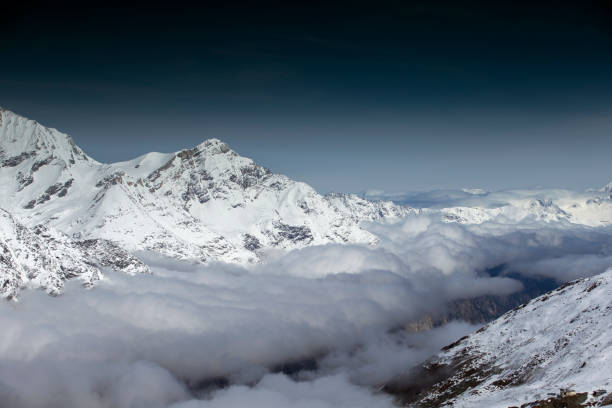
(279, 391)
(159, 340)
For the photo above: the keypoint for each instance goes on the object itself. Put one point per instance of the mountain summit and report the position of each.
(22, 138)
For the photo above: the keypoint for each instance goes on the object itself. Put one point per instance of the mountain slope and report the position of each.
(206, 203)
(559, 340)
(42, 258)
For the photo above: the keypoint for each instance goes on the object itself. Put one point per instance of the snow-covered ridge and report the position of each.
(205, 203)
(559, 340)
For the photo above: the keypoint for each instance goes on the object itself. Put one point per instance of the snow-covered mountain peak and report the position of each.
(37, 163)
(22, 138)
(218, 160)
(213, 146)
(209, 170)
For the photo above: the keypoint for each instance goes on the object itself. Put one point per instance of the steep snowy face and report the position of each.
(206, 203)
(556, 341)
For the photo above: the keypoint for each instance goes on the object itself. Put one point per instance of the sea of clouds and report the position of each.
(317, 327)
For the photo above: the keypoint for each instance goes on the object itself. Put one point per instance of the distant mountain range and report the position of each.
(473, 206)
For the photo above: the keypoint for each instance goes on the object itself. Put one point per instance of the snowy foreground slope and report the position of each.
(43, 258)
(557, 341)
(206, 203)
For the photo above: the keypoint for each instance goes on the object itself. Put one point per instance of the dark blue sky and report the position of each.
(352, 96)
